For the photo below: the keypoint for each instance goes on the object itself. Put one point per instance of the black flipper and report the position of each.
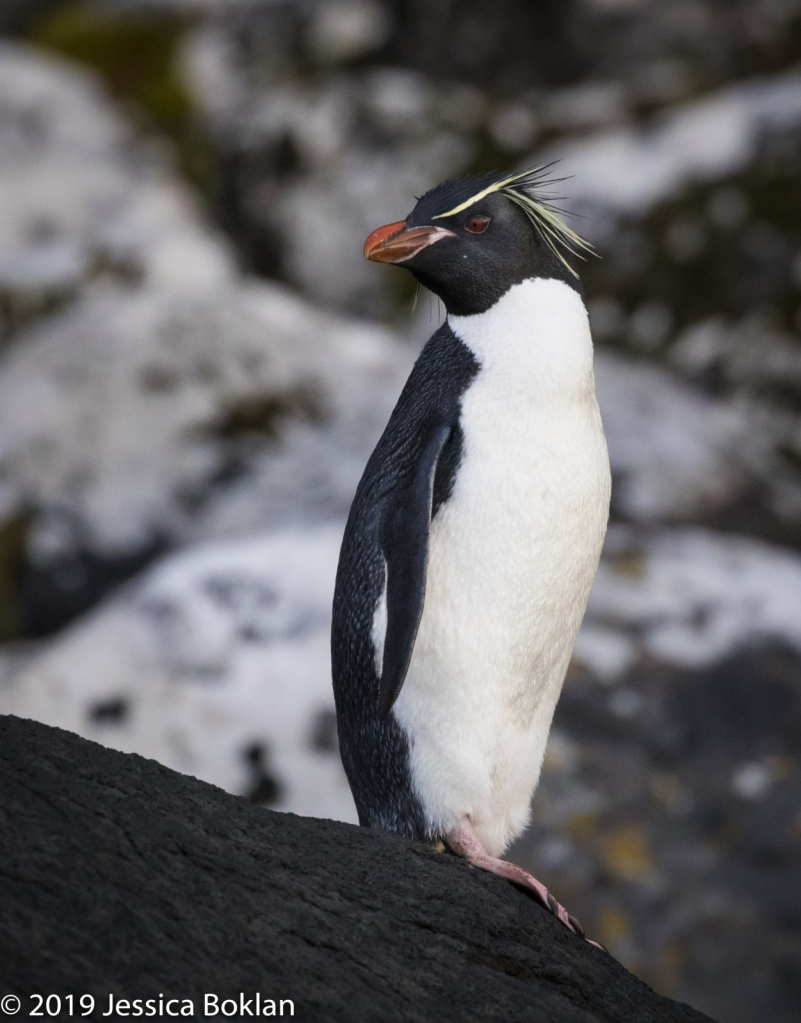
(403, 534)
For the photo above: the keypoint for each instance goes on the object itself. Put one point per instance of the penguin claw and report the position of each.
(541, 899)
(464, 841)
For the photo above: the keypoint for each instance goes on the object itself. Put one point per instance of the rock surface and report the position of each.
(121, 877)
(148, 401)
(216, 660)
(676, 455)
(667, 814)
(667, 818)
(688, 597)
(164, 415)
(83, 201)
(216, 663)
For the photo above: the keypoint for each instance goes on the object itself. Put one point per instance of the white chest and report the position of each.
(512, 556)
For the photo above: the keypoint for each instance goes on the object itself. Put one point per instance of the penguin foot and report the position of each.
(464, 841)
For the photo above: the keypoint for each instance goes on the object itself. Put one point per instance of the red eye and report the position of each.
(477, 225)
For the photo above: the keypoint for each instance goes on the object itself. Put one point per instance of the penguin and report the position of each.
(476, 529)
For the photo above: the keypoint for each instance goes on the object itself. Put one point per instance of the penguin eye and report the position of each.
(477, 225)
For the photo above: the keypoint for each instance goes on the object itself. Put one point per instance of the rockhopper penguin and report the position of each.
(475, 531)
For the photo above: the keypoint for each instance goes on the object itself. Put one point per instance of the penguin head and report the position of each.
(469, 240)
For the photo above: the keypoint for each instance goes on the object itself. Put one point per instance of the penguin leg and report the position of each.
(464, 841)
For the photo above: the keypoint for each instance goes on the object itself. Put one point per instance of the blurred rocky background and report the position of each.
(195, 362)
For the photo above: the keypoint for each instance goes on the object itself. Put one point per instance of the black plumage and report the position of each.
(407, 479)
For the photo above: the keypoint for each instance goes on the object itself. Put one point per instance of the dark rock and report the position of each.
(17, 16)
(505, 46)
(263, 788)
(672, 829)
(52, 593)
(121, 876)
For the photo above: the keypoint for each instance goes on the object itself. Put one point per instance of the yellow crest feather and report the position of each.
(524, 189)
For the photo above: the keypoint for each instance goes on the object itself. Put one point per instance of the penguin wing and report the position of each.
(403, 535)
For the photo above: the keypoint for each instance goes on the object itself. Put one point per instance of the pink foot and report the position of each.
(464, 841)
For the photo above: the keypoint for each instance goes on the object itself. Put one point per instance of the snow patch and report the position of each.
(629, 170)
(218, 649)
(691, 597)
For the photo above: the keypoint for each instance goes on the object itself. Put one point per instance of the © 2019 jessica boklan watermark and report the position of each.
(163, 1005)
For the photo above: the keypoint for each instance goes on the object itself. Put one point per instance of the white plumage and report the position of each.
(512, 556)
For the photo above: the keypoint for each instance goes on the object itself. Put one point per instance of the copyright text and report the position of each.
(163, 1005)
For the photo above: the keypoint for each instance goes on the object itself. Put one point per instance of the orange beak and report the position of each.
(395, 243)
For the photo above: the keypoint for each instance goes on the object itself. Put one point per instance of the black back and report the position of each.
(422, 432)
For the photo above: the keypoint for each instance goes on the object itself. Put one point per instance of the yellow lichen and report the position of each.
(613, 926)
(626, 854)
(135, 52)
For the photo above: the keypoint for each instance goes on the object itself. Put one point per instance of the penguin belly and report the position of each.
(511, 559)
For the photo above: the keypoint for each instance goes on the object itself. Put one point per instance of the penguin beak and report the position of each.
(395, 243)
